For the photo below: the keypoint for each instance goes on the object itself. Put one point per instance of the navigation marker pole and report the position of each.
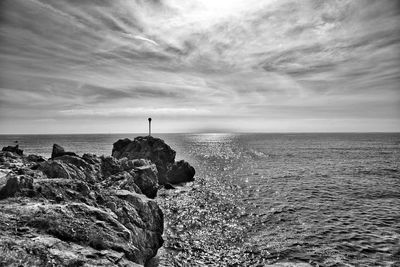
(149, 126)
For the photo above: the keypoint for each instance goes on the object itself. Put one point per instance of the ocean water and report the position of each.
(328, 199)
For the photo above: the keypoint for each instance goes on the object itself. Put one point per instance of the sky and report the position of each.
(102, 66)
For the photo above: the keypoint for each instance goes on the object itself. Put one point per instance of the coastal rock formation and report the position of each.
(76, 211)
(59, 151)
(148, 147)
(158, 152)
(180, 172)
(14, 149)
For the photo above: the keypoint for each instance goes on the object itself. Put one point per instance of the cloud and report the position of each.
(211, 60)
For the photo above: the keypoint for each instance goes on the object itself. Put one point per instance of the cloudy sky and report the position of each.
(82, 66)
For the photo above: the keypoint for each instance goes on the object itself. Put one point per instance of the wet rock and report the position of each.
(14, 149)
(180, 172)
(59, 151)
(147, 147)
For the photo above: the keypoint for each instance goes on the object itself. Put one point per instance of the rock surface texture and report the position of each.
(14, 149)
(158, 152)
(78, 211)
(59, 151)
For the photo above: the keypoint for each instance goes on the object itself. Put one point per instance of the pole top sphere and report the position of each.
(149, 119)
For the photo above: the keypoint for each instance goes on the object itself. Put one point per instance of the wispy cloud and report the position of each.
(229, 64)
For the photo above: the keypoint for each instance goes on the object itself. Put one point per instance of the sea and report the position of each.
(332, 199)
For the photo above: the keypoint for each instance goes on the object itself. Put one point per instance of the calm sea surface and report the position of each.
(331, 199)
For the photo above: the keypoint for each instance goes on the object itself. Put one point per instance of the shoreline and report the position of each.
(72, 210)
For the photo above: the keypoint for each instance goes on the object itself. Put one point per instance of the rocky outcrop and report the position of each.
(147, 147)
(180, 172)
(14, 149)
(59, 151)
(78, 211)
(158, 152)
(137, 175)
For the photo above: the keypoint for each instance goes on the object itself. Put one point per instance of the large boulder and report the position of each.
(59, 151)
(145, 177)
(70, 167)
(180, 172)
(14, 184)
(147, 147)
(138, 175)
(14, 149)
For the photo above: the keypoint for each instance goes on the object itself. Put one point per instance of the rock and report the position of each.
(15, 184)
(146, 179)
(50, 251)
(91, 158)
(169, 186)
(110, 166)
(137, 175)
(14, 149)
(132, 234)
(180, 172)
(35, 158)
(85, 217)
(70, 167)
(88, 210)
(122, 180)
(147, 147)
(59, 151)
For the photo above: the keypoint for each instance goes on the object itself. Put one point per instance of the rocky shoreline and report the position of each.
(86, 210)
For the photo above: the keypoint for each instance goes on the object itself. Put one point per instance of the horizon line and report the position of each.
(217, 132)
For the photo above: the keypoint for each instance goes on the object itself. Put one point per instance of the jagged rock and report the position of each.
(59, 151)
(110, 166)
(46, 250)
(14, 184)
(146, 178)
(138, 175)
(133, 232)
(147, 147)
(93, 217)
(88, 210)
(91, 158)
(14, 149)
(70, 167)
(180, 172)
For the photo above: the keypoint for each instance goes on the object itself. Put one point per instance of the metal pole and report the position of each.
(149, 126)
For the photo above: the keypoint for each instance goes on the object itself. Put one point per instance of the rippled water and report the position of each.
(328, 199)
(332, 199)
